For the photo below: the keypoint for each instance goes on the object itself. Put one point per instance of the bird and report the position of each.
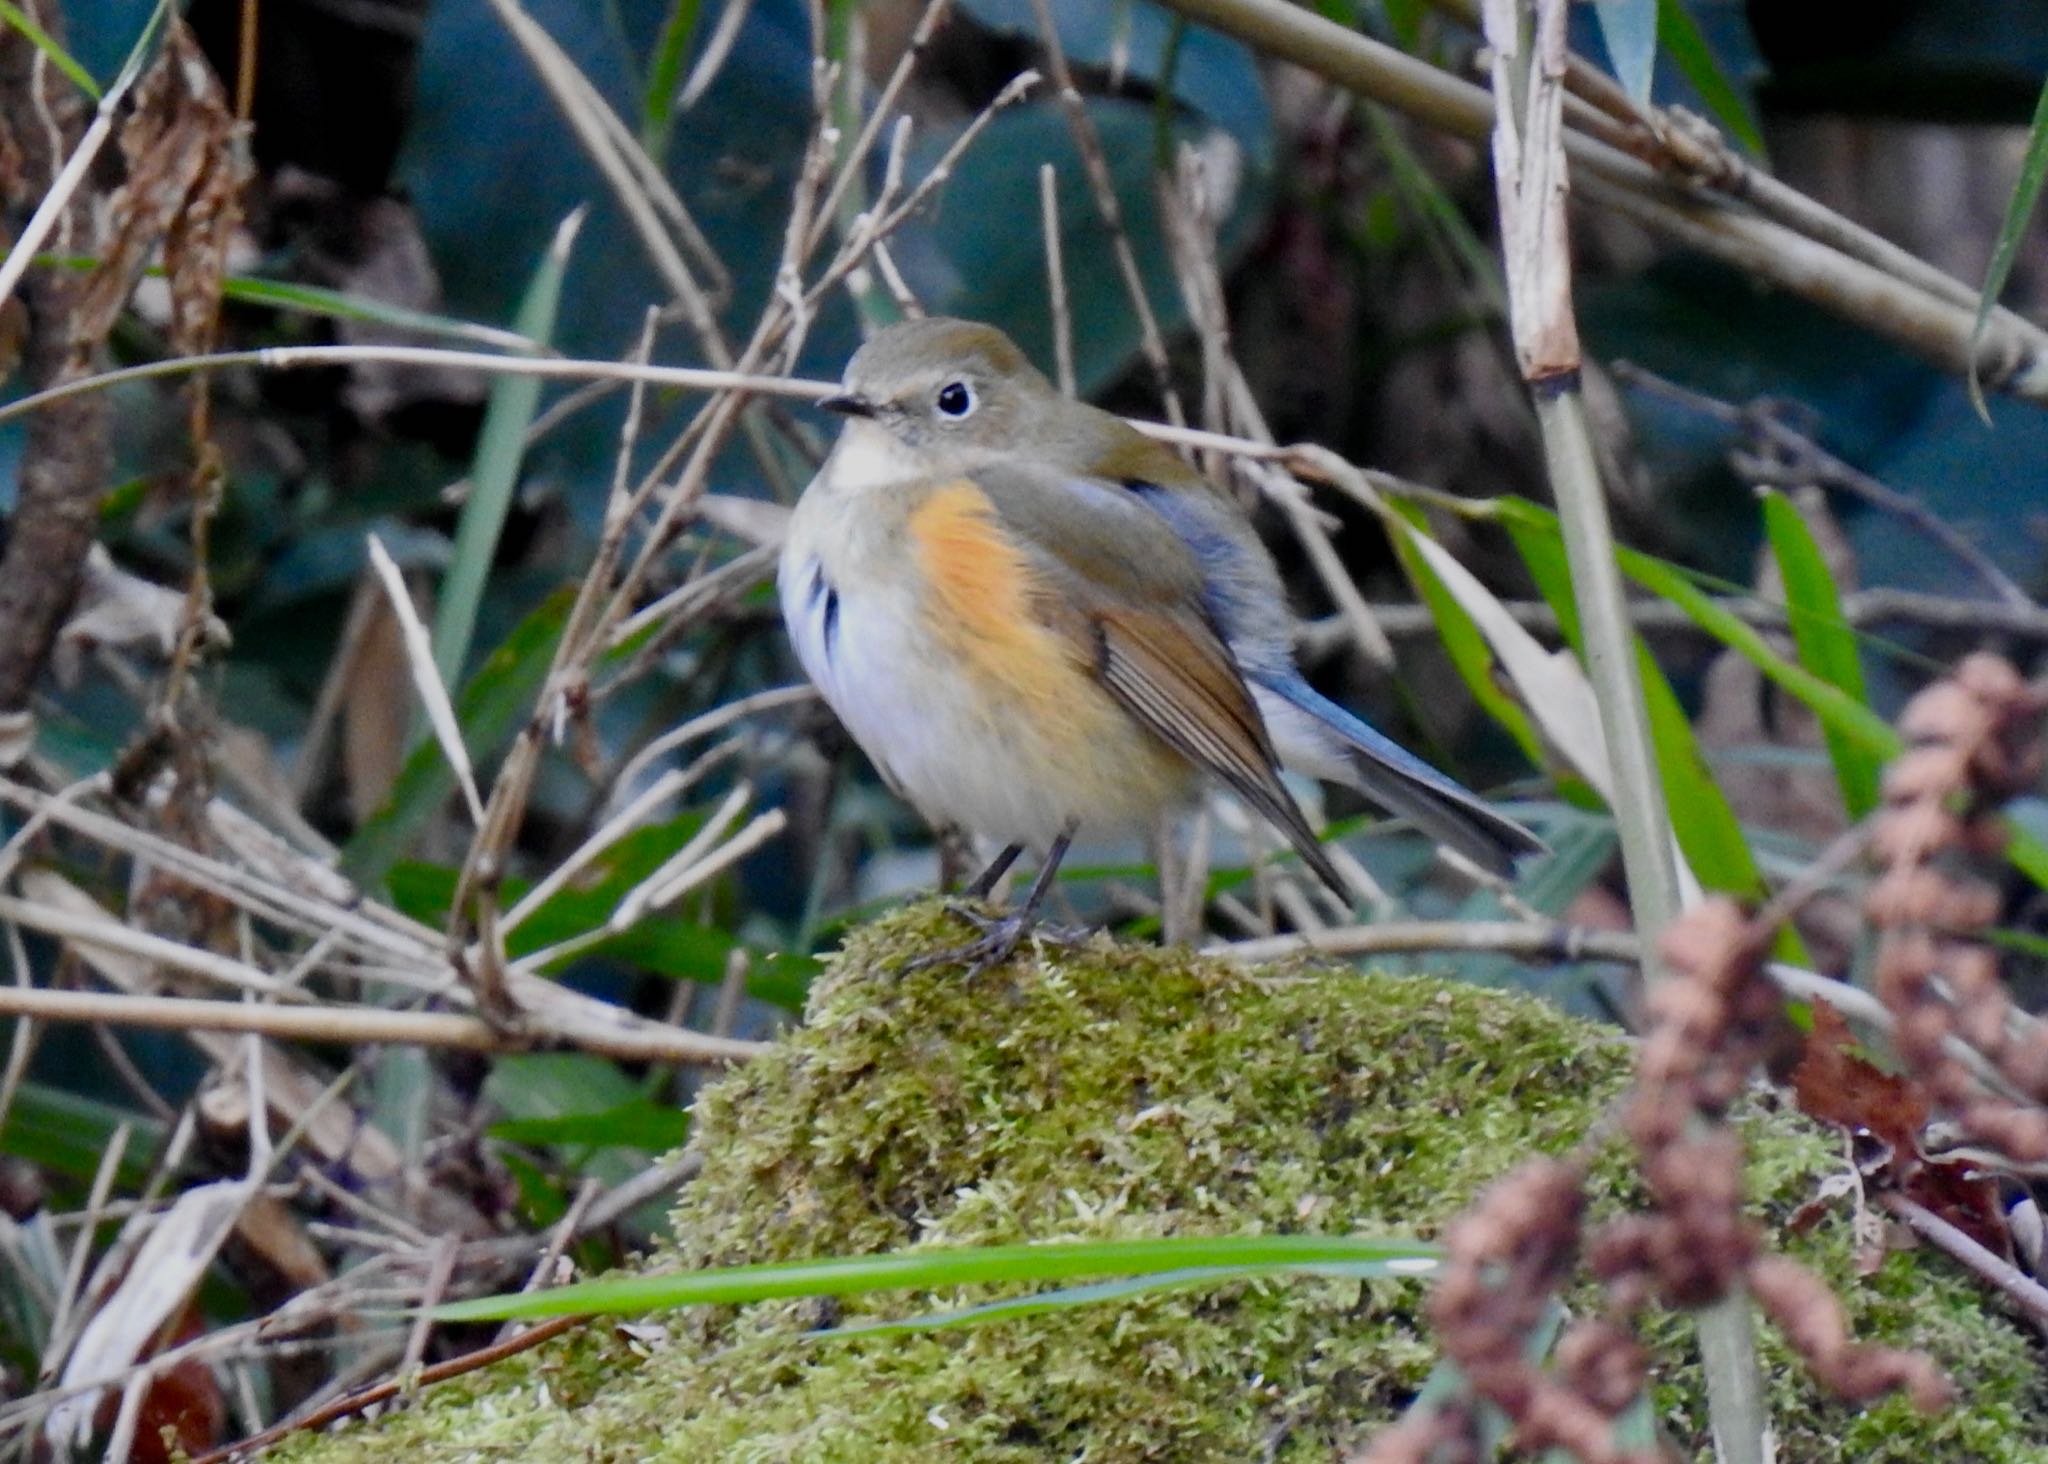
(1037, 621)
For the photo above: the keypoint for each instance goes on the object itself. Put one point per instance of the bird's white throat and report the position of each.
(869, 456)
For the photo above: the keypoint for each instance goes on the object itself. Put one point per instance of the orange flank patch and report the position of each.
(981, 593)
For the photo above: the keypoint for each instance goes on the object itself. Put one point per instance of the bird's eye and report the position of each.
(956, 399)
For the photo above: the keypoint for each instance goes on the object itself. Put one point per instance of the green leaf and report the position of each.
(1694, 58)
(301, 299)
(1404, 19)
(500, 448)
(664, 943)
(491, 707)
(1629, 27)
(1836, 710)
(1463, 641)
(340, 305)
(1827, 644)
(1705, 825)
(2018, 214)
(540, 1197)
(638, 1123)
(545, 1085)
(1702, 819)
(67, 1133)
(2029, 855)
(577, 1099)
(926, 1270)
(665, 76)
(1834, 707)
(43, 41)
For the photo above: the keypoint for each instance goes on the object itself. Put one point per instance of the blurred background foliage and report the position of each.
(411, 158)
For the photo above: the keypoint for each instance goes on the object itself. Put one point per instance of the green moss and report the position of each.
(1112, 1092)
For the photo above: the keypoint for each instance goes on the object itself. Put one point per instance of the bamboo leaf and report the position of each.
(1689, 52)
(1833, 706)
(665, 77)
(1705, 826)
(500, 448)
(1827, 644)
(2018, 214)
(43, 41)
(1462, 640)
(303, 299)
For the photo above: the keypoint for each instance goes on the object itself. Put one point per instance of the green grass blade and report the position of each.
(300, 299)
(1833, 706)
(1462, 640)
(665, 76)
(500, 448)
(340, 305)
(2018, 214)
(43, 41)
(1694, 58)
(1836, 709)
(1826, 642)
(1708, 833)
(932, 1269)
(1038, 1303)
(491, 707)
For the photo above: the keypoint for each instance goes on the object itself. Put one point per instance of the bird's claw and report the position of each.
(999, 939)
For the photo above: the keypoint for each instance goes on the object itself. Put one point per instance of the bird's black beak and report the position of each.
(848, 405)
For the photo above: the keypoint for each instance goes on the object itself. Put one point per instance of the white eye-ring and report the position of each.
(956, 399)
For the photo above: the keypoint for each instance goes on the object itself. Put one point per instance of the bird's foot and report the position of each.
(999, 939)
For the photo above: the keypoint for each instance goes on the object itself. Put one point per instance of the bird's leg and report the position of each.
(1001, 934)
(986, 880)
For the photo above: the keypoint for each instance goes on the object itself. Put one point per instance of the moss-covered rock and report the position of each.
(1110, 1091)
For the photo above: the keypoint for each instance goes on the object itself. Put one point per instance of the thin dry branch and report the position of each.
(1860, 608)
(1796, 250)
(350, 1025)
(313, 358)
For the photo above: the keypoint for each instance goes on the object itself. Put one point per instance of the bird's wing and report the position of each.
(1120, 582)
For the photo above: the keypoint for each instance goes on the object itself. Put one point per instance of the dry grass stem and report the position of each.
(371, 1025)
(1056, 279)
(1102, 184)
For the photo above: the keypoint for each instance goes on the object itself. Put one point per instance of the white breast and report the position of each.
(965, 752)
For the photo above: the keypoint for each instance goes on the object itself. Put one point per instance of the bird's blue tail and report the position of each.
(1403, 783)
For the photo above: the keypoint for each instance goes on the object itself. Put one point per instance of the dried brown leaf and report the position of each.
(185, 172)
(1836, 1084)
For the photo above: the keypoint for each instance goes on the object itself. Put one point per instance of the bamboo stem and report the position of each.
(1795, 244)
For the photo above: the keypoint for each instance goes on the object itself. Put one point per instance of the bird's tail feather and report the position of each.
(1404, 784)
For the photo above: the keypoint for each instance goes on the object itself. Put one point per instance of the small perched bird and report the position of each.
(1034, 619)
